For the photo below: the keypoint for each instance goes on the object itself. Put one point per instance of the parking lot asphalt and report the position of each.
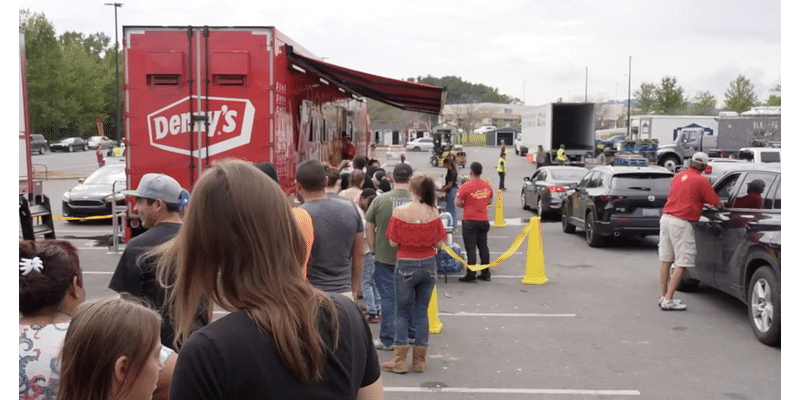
(593, 331)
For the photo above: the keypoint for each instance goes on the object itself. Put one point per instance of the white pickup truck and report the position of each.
(759, 155)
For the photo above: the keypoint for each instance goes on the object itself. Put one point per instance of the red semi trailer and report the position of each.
(194, 95)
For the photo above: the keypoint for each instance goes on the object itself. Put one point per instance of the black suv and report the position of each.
(742, 246)
(38, 143)
(617, 201)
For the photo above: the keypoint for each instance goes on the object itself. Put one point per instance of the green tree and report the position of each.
(740, 95)
(463, 92)
(43, 55)
(669, 97)
(774, 100)
(703, 103)
(646, 96)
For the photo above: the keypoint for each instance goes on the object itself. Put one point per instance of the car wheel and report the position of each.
(686, 284)
(764, 301)
(669, 162)
(71, 149)
(416, 148)
(540, 207)
(41, 150)
(435, 161)
(85, 147)
(523, 201)
(592, 237)
(565, 225)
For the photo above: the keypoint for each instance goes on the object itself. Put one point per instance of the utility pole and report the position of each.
(118, 126)
(629, 97)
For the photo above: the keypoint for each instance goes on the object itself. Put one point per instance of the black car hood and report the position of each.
(86, 192)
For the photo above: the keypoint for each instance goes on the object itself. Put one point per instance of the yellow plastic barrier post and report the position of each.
(534, 262)
(499, 221)
(434, 324)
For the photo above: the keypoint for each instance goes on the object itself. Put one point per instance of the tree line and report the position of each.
(71, 79)
(668, 98)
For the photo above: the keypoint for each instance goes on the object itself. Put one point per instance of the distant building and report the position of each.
(475, 115)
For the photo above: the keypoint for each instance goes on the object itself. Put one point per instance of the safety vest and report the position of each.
(561, 155)
(501, 165)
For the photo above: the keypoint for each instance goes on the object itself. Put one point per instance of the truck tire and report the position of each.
(764, 306)
(669, 162)
(434, 161)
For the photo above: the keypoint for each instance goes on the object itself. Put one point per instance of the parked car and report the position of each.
(617, 201)
(485, 129)
(94, 195)
(69, 144)
(102, 141)
(418, 144)
(742, 247)
(38, 143)
(548, 186)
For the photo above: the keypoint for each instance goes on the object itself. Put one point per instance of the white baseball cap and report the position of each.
(700, 157)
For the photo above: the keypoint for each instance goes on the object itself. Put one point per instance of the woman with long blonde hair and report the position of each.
(241, 248)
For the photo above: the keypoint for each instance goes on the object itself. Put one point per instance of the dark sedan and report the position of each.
(617, 201)
(69, 144)
(742, 246)
(94, 195)
(38, 144)
(548, 186)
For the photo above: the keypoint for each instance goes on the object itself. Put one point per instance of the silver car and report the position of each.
(548, 187)
(101, 141)
(420, 144)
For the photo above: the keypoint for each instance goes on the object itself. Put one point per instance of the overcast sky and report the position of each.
(537, 51)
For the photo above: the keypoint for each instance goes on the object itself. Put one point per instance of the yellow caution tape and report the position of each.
(511, 250)
(83, 218)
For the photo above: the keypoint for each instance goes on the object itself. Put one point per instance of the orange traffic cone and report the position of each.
(434, 324)
(534, 262)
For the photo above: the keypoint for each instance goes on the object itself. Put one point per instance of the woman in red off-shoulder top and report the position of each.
(417, 231)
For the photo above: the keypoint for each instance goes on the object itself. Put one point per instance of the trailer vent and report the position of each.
(229, 80)
(163, 80)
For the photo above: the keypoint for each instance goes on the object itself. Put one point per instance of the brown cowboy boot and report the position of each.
(398, 364)
(418, 359)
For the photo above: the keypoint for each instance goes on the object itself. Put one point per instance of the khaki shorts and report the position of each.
(676, 241)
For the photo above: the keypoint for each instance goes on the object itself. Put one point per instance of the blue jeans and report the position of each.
(451, 204)
(414, 281)
(384, 280)
(371, 296)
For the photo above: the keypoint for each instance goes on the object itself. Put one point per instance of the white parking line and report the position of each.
(589, 392)
(466, 314)
(98, 272)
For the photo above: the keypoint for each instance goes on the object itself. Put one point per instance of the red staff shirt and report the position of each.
(476, 195)
(416, 240)
(687, 193)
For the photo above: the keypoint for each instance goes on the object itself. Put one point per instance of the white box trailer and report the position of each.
(667, 128)
(554, 124)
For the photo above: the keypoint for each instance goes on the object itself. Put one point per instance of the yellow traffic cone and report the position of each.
(434, 324)
(534, 262)
(499, 221)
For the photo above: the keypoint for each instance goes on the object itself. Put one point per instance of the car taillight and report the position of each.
(610, 198)
(555, 189)
(708, 170)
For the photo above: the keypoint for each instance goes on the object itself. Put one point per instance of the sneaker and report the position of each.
(468, 279)
(662, 298)
(672, 305)
(485, 277)
(373, 318)
(380, 346)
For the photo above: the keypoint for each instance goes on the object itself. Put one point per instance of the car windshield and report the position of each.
(106, 176)
(642, 181)
(567, 175)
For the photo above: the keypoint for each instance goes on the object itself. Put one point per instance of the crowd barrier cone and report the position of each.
(434, 324)
(534, 262)
(499, 221)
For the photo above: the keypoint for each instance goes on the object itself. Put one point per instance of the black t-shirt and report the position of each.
(232, 359)
(138, 277)
(452, 176)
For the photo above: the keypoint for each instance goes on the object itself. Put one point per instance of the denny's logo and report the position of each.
(230, 125)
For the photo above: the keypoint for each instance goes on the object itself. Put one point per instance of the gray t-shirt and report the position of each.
(336, 222)
(379, 213)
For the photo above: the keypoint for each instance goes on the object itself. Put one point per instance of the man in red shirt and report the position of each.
(753, 198)
(688, 193)
(475, 197)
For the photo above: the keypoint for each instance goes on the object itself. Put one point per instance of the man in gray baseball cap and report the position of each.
(159, 199)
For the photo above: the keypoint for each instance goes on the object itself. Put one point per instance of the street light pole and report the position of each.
(586, 92)
(629, 97)
(118, 125)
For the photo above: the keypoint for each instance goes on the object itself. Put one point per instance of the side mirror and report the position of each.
(527, 179)
(80, 180)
